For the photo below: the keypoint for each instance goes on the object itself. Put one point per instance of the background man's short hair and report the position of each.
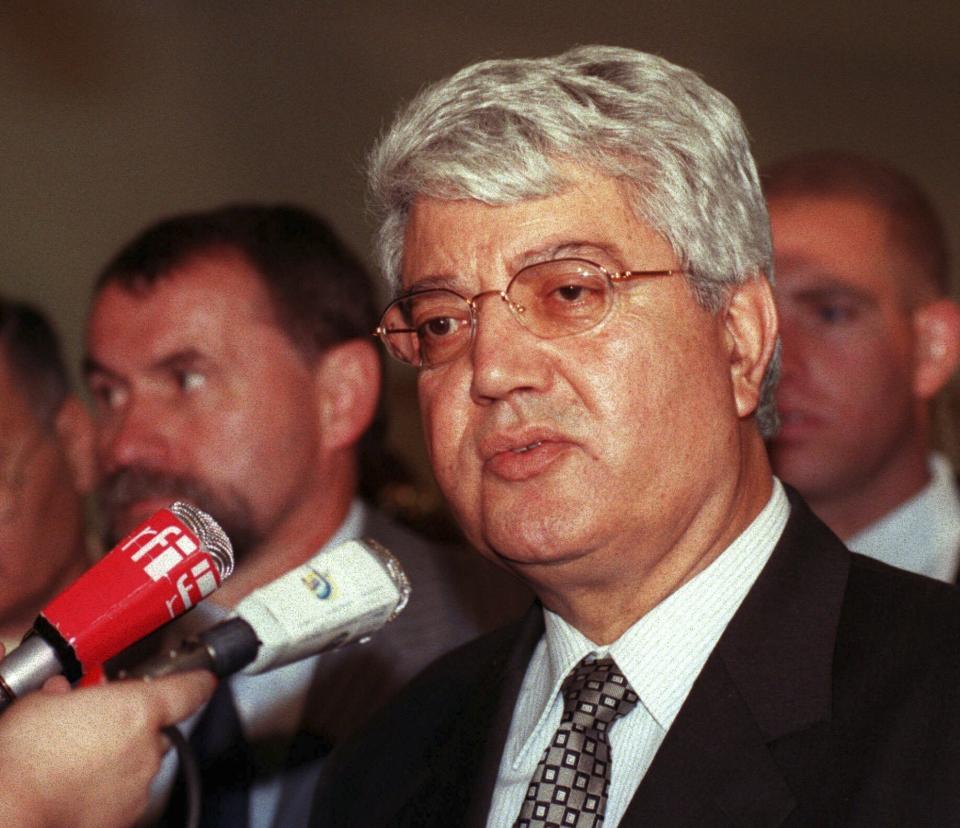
(914, 222)
(31, 350)
(319, 290)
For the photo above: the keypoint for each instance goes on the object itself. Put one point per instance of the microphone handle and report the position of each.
(223, 649)
(33, 662)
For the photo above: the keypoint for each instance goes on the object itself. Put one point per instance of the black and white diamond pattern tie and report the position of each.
(569, 786)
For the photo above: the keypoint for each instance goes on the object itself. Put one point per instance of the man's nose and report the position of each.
(135, 436)
(506, 356)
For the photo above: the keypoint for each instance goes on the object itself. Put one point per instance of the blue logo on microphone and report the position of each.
(319, 584)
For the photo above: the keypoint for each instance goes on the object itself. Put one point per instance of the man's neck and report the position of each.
(289, 545)
(603, 608)
(854, 508)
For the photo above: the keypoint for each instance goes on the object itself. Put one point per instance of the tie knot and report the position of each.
(595, 693)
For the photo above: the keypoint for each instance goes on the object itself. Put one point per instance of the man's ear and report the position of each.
(751, 330)
(74, 427)
(347, 381)
(937, 350)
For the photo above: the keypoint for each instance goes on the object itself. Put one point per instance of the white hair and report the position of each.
(494, 132)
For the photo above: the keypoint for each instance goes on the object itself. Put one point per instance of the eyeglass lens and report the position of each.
(551, 299)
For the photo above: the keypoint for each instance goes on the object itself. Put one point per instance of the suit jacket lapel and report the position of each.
(457, 784)
(754, 710)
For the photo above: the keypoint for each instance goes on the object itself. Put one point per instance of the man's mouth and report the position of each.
(526, 460)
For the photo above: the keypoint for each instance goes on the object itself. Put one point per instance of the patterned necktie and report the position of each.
(569, 786)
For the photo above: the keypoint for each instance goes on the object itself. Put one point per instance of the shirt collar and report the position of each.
(922, 534)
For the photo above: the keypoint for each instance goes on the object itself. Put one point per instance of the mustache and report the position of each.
(126, 486)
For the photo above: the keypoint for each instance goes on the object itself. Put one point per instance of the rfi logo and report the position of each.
(167, 557)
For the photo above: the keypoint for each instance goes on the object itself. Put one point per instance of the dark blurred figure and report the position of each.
(45, 469)
(231, 363)
(869, 339)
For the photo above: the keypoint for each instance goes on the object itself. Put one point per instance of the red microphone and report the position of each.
(157, 572)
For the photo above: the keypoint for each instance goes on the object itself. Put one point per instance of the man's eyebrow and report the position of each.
(573, 248)
(831, 290)
(431, 283)
(185, 357)
(567, 248)
(92, 366)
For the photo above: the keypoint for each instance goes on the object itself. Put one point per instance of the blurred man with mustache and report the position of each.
(870, 337)
(230, 361)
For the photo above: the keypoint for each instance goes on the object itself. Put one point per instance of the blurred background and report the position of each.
(113, 114)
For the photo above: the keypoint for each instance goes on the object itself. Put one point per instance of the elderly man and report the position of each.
(580, 247)
(46, 467)
(870, 336)
(230, 362)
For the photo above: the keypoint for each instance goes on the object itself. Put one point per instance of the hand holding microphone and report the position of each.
(159, 571)
(85, 758)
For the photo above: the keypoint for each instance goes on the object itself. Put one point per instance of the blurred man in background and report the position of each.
(230, 361)
(870, 336)
(46, 466)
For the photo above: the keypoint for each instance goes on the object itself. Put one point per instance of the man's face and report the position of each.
(199, 395)
(846, 394)
(40, 510)
(594, 450)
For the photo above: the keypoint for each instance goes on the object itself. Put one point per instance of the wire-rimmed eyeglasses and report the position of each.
(551, 299)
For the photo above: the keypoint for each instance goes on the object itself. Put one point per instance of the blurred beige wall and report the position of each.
(113, 114)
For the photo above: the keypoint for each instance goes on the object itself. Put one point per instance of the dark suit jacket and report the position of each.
(830, 699)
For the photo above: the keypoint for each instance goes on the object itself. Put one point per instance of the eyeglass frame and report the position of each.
(613, 279)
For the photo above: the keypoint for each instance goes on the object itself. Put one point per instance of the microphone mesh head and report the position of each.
(213, 539)
(394, 570)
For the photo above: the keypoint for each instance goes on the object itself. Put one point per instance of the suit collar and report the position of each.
(511, 668)
(778, 649)
(764, 690)
(455, 784)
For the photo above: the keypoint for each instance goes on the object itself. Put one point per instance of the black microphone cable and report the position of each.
(189, 770)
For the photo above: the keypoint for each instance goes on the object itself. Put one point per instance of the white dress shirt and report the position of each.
(923, 533)
(661, 656)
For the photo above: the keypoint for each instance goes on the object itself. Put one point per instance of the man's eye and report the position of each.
(440, 326)
(107, 397)
(833, 314)
(190, 380)
(569, 293)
